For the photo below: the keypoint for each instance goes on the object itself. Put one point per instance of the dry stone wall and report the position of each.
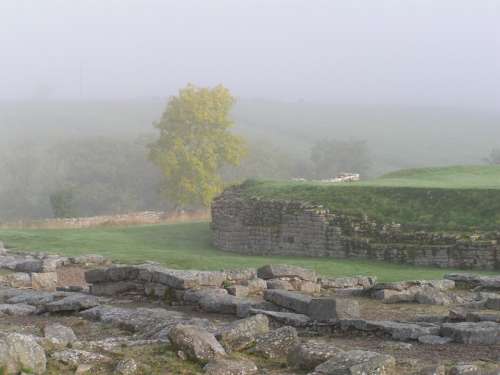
(272, 227)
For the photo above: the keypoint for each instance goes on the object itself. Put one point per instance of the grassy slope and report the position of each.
(452, 198)
(189, 246)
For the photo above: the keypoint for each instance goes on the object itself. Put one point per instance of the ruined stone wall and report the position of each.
(269, 227)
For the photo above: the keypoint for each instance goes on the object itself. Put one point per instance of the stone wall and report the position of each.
(269, 227)
(133, 218)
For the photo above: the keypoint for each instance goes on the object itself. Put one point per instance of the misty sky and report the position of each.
(409, 52)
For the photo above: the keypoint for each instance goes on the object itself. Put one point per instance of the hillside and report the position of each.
(451, 198)
(398, 137)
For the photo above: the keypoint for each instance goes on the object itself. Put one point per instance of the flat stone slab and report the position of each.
(176, 279)
(150, 323)
(275, 271)
(320, 309)
(480, 333)
(308, 355)
(357, 362)
(434, 340)
(221, 303)
(74, 302)
(286, 318)
(289, 300)
(362, 282)
(472, 280)
(20, 309)
(397, 330)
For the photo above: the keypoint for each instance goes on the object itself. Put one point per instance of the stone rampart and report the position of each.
(272, 227)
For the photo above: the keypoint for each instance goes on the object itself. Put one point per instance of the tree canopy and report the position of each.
(195, 142)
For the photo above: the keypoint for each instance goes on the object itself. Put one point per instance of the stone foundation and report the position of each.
(267, 227)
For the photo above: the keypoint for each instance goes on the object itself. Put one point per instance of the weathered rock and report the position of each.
(84, 369)
(324, 309)
(310, 354)
(114, 345)
(277, 343)
(20, 309)
(193, 296)
(492, 301)
(286, 318)
(241, 334)
(477, 316)
(434, 340)
(432, 370)
(396, 345)
(52, 262)
(44, 281)
(289, 300)
(29, 266)
(420, 291)
(275, 271)
(357, 362)
(73, 302)
(157, 290)
(403, 331)
(457, 313)
(114, 288)
(150, 323)
(348, 282)
(481, 333)
(465, 370)
(16, 280)
(240, 275)
(219, 303)
(97, 275)
(305, 286)
(198, 344)
(394, 296)
(74, 357)
(31, 297)
(490, 282)
(432, 296)
(90, 260)
(238, 290)
(224, 366)
(127, 366)
(255, 285)
(20, 353)
(59, 335)
(473, 281)
(279, 284)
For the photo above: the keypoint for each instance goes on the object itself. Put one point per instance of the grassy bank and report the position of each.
(189, 246)
(452, 198)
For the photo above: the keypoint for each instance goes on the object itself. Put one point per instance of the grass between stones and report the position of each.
(188, 246)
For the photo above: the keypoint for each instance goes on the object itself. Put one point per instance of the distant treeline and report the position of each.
(90, 158)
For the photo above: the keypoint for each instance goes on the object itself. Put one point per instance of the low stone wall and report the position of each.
(268, 227)
(133, 218)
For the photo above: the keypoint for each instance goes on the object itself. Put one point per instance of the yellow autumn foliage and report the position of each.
(195, 142)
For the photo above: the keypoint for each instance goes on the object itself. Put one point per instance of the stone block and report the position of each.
(290, 300)
(44, 281)
(329, 309)
(275, 271)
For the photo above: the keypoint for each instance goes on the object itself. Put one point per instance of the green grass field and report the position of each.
(456, 177)
(188, 246)
(462, 198)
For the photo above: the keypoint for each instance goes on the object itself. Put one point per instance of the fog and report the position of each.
(412, 83)
(417, 53)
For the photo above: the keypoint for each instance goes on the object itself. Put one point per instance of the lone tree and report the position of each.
(195, 143)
